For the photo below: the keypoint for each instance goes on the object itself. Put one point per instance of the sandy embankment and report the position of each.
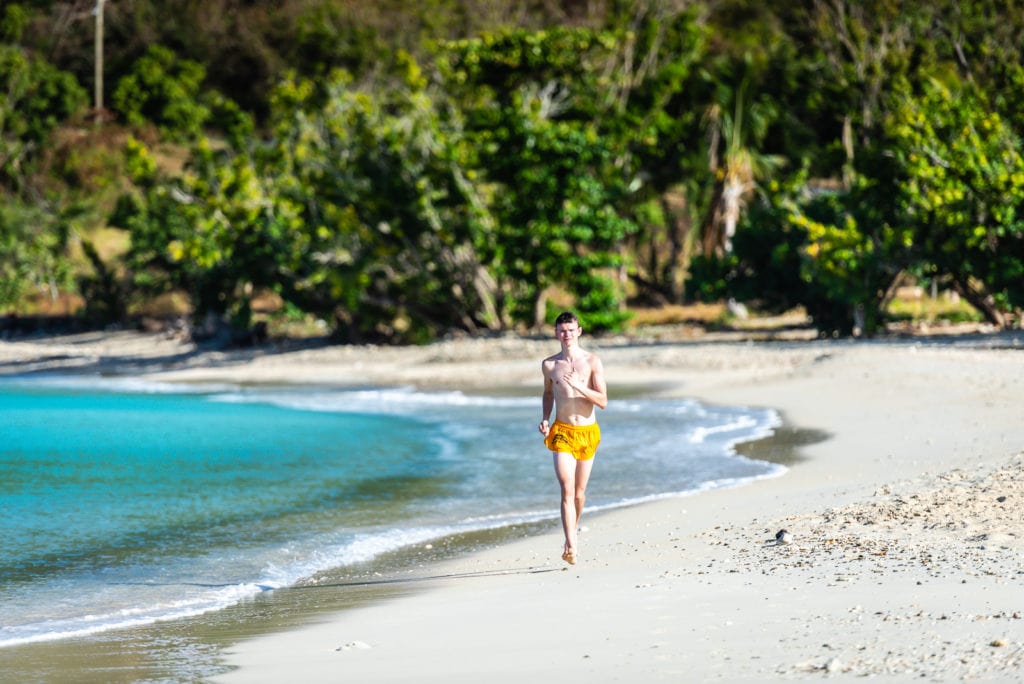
(907, 559)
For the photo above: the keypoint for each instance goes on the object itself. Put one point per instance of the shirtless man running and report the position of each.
(573, 386)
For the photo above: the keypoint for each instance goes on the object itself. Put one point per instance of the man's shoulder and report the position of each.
(551, 359)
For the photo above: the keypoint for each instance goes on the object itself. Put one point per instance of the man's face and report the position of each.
(567, 332)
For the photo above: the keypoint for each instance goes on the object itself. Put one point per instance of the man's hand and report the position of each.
(572, 381)
(544, 427)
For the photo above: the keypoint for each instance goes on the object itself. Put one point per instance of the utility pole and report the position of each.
(99, 60)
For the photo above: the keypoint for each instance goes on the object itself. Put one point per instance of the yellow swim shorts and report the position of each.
(579, 440)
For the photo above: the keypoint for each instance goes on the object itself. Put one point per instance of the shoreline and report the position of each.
(884, 578)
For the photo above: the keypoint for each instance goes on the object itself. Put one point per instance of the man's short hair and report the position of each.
(567, 317)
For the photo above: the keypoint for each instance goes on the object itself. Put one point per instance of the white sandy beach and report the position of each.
(907, 559)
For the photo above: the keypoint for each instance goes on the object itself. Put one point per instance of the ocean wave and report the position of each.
(370, 400)
(96, 623)
(752, 427)
(317, 555)
(118, 384)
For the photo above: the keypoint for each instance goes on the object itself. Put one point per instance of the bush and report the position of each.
(164, 90)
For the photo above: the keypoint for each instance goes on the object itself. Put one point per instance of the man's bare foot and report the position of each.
(569, 557)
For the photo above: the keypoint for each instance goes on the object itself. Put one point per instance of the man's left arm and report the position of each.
(597, 384)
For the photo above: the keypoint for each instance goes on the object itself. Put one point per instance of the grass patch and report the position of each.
(946, 307)
(675, 314)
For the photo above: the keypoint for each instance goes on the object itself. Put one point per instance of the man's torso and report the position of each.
(571, 407)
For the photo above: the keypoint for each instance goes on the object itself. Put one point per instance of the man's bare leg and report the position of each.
(583, 469)
(565, 471)
(572, 478)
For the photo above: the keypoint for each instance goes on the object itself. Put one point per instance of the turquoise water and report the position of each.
(125, 503)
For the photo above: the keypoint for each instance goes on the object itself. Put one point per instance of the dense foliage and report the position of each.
(402, 170)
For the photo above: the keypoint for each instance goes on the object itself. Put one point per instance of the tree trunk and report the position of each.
(711, 229)
(540, 309)
(677, 221)
(848, 167)
(486, 289)
(982, 301)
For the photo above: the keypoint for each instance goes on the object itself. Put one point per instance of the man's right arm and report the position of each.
(547, 400)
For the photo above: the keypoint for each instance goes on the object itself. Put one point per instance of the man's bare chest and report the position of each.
(578, 369)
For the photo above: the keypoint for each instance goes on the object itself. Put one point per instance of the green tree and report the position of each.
(654, 120)
(962, 191)
(33, 253)
(353, 210)
(35, 98)
(389, 210)
(217, 232)
(165, 90)
(532, 102)
(737, 122)
(852, 257)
